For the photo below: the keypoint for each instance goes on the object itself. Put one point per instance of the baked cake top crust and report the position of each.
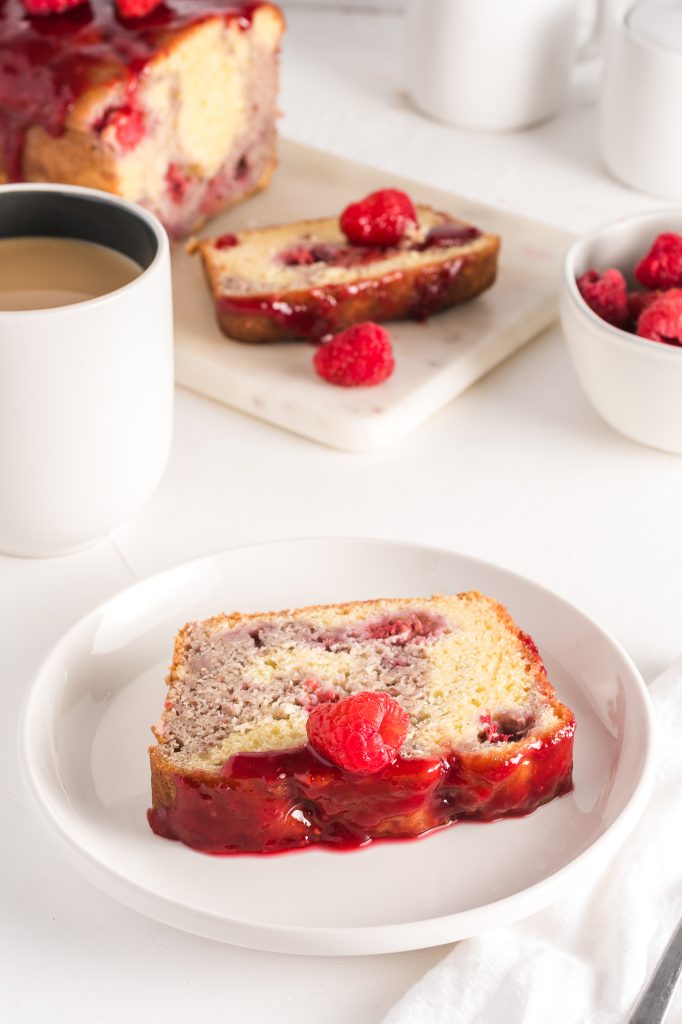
(48, 64)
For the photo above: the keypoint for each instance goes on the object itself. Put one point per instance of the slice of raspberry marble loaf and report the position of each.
(308, 279)
(174, 109)
(350, 722)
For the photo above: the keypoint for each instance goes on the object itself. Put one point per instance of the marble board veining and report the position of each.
(435, 361)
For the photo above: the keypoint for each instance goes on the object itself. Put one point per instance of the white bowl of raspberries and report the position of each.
(621, 312)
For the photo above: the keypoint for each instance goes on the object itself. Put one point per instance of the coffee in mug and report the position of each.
(44, 273)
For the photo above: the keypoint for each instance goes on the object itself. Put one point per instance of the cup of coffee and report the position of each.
(86, 364)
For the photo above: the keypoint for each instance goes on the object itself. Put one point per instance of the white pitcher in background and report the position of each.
(495, 65)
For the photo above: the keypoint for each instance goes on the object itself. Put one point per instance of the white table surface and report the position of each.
(519, 470)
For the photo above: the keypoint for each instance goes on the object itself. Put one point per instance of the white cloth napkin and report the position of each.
(585, 959)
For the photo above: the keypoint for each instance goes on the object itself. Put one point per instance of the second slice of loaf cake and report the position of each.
(306, 280)
(237, 766)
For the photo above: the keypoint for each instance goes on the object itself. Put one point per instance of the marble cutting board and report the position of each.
(435, 361)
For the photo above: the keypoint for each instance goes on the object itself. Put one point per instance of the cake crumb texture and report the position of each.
(246, 683)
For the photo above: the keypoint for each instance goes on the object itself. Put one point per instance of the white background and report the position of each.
(519, 471)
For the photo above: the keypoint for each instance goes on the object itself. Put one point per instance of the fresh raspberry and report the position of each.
(380, 219)
(136, 8)
(662, 266)
(41, 7)
(490, 733)
(662, 320)
(360, 355)
(177, 182)
(361, 733)
(606, 294)
(128, 126)
(637, 303)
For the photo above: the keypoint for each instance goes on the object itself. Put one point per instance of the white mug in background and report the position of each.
(641, 99)
(86, 390)
(494, 65)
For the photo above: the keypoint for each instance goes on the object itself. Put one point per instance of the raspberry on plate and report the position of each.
(380, 219)
(40, 7)
(662, 266)
(360, 355)
(136, 8)
(361, 733)
(606, 294)
(662, 319)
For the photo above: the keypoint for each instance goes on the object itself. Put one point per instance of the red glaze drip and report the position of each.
(314, 320)
(268, 803)
(433, 287)
(47, 62)
(324, 312)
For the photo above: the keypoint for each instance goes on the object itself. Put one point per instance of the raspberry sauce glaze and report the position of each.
(321, 310)
(331, 308)
(271, 802)
(47, 62)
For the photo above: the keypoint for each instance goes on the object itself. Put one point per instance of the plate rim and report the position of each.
(315, 939)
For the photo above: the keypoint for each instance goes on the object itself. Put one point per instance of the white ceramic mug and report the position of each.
(493, 65)
(641, 99)
(86, 390)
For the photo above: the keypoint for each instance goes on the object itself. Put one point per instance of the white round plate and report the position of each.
(85, 734)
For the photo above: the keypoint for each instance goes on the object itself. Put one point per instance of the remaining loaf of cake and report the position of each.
(306, 280)
(350, 722)
(175, 110)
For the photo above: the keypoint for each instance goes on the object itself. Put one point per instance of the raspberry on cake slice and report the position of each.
(384, 259)
(171, 105)
(345, 723)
